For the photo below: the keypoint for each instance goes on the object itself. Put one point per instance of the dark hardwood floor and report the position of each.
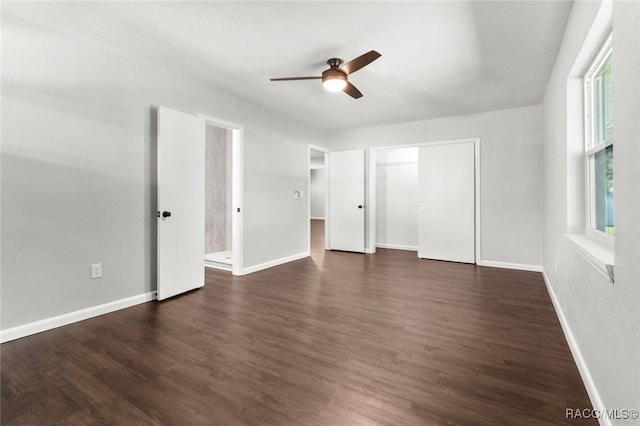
(334, 339)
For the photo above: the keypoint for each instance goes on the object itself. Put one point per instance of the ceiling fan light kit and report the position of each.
(336, 78)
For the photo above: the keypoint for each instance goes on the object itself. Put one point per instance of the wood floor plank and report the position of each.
(333, 339)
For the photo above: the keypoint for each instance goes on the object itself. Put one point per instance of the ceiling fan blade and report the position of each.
(295, 78)
(360, 62)
(351, 90)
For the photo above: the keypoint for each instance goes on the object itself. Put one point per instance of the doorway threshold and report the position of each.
(218, 265)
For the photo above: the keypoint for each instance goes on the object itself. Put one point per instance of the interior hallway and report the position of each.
(334, 339)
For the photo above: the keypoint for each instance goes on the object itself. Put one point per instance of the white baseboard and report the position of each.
(508, 265)
(592, 391)
(272, 263)
(65, 319)
(396, 247)
(317, 218)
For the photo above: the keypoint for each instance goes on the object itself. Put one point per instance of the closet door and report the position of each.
(346, 200)
(446, 203)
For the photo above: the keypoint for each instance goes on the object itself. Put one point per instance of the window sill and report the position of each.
(597, 252)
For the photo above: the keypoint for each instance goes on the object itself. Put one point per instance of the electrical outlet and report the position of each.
(96, 271)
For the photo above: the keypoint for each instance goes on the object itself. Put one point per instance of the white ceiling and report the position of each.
(438, 59)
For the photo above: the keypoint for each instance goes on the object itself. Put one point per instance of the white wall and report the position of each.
(78, 171)
(602, 318)
(511, 168)
(317, 189)
(621, 384)
(397, 198)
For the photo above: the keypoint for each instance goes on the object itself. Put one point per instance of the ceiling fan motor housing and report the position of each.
(333, 74)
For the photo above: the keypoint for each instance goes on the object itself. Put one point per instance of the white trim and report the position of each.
(419, 144)
(587, 379)
(396, 163)
(509, 265)
(602, 238)
(318, 148)
(327, 198)
(71, 317)
(478, 200)
(275, 262)
(371, 229)
(237, 184)
(596, 253)
(237, 189)
(396, 247)
(370, 204)
(317, 218)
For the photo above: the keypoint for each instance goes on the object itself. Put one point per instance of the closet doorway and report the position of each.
(396, 199)
(222, 199)
(426, 198)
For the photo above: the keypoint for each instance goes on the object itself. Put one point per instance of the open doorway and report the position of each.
(218, 197)
(318, 196)
(222, 245)
(396, 198)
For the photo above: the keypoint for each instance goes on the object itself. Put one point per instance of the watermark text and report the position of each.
(611, 414)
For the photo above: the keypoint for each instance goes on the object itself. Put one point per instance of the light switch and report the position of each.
(96, 270)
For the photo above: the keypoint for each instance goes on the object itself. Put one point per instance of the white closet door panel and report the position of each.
(346, 200)
(446, 212)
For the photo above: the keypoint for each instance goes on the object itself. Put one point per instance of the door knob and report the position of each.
(166, 214)
(360, 206)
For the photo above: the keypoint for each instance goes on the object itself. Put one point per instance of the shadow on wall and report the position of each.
(151, 200)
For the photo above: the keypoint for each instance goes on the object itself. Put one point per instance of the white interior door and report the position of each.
(446, 212)
(180, 202)
(346, 200)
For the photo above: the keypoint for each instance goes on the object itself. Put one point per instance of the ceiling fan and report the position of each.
(336, 78)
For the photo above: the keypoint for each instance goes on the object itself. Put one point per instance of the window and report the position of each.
(599, 141)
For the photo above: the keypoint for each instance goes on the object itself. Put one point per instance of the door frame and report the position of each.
(326, 195)
(371, 212)
(237, 190)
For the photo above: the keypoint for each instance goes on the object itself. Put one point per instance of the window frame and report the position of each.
(590, 146)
